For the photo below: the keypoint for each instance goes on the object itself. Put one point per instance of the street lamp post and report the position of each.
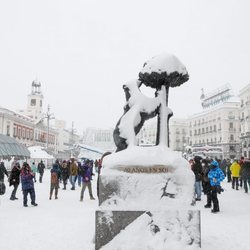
(49, 116)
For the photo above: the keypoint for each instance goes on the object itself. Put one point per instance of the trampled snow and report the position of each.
(67, 223)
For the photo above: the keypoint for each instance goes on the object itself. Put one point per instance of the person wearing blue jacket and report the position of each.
(216, 176)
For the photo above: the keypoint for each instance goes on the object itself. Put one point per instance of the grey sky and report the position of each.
(84, 51)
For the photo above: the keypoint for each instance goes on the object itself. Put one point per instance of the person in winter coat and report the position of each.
(197, 169)
(3, 172)
(86, 180)
(65, 173)
(215, 176)
(27, 184)
(14, 179)
(34, 170)
(228, 171)
(235, 170)
(73, 173)
(245, 174)
(206, 182)
(54, 180)
(40, 169)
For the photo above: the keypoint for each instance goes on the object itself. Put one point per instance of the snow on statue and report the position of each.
(161, 72)
(151, 188)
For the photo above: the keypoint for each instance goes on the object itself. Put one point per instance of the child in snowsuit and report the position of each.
(215, 176)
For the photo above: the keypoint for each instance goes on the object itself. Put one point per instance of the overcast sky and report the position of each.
(82, 52)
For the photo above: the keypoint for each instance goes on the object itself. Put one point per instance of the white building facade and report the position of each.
(219, 124)
(244, 96)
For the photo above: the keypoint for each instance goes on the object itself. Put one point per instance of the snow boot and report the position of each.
(207, 206)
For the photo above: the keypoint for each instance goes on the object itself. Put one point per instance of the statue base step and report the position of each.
(169, 229)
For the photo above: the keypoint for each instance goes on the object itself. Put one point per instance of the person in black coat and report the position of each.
(40, 169)
(15, 179)
(245, 174)
(3, 172)
(205, 163)
(197, 169)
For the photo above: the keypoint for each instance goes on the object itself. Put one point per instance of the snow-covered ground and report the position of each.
(67, 223)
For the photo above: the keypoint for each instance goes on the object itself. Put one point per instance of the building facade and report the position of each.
(218, 124)
(244, 96)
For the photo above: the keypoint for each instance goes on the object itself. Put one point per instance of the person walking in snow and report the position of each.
(73, 173)
(245, 174)
(197, 169)
(206, 182)
(3, 172)
(40, 169)
(65, 173)
(28, 185)
(228, 171)
(14, 180)
(215, 176)
(34, 170)
(54, 180)
(235, 170)
(86, 180)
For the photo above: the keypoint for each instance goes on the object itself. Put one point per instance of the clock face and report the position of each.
(33, 102)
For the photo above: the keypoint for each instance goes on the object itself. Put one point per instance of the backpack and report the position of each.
(81, 171)
(54, 178)
(2, 188)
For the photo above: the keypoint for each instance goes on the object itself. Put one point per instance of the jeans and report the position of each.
(235, 181)
(79, 179)
(245, 182)
(198, 189)
(30, 191)
(72, 180)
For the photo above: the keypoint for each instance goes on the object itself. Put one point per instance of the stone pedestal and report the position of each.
(152, 202)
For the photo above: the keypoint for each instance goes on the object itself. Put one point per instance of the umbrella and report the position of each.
(11, 147)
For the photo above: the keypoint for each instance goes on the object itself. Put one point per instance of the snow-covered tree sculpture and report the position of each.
(161, 72)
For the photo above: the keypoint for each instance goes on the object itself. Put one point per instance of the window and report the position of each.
(231, 137)
(8, 130)
(33, 102)
(231, 125)
(41, 103)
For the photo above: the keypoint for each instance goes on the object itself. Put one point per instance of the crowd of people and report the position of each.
(71, 172)
(210, 173)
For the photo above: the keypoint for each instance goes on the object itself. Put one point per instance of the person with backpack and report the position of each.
(215, 176)
(54, 180)
(40, 169)
(86, 179)
(27, 177)
(14, 179)
(3, 172)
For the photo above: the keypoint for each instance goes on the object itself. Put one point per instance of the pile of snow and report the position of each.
(38, 152)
